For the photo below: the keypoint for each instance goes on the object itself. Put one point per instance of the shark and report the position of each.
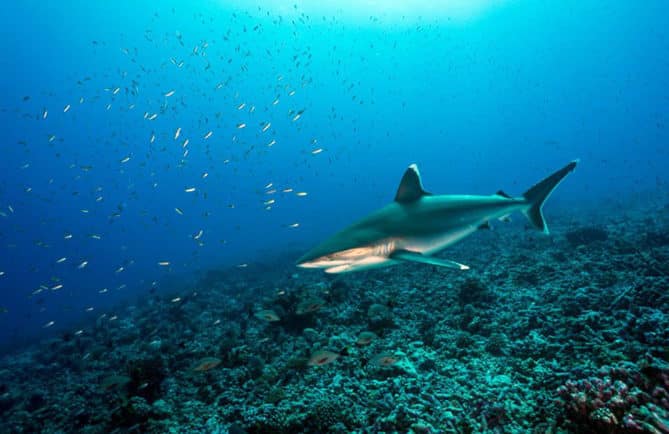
(418, 224)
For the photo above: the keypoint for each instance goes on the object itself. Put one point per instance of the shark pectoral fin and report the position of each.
(405, 255)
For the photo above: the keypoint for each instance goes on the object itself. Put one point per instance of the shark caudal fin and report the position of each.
(538, 193)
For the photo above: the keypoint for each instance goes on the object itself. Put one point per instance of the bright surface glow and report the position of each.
(383, 11)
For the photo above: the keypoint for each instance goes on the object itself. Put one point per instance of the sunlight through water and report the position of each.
(374, 11)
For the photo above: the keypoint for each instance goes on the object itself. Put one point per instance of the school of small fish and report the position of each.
(181, 136)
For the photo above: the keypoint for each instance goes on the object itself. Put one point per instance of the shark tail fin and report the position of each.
(538, 193)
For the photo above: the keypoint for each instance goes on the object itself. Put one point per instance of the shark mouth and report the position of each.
(368, 262)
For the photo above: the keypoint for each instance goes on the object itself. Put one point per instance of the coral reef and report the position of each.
(620, 399)
(586, 235)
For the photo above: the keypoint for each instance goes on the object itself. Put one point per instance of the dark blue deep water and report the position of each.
(144, 143)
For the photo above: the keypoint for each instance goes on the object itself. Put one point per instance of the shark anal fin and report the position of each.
(406, 255)
(411, 187)
(485, 225)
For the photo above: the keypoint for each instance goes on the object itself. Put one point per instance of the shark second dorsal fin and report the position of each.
(411, 187)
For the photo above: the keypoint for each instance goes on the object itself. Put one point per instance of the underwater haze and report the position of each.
(148, 143)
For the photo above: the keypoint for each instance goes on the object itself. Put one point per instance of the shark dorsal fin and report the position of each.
(411, 187)
(503, 194)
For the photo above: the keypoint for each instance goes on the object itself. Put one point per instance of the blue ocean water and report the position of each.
(336, 100)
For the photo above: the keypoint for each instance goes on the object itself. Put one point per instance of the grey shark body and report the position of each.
(417, 224)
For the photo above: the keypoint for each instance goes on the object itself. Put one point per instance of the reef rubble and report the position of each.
(567, 333)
